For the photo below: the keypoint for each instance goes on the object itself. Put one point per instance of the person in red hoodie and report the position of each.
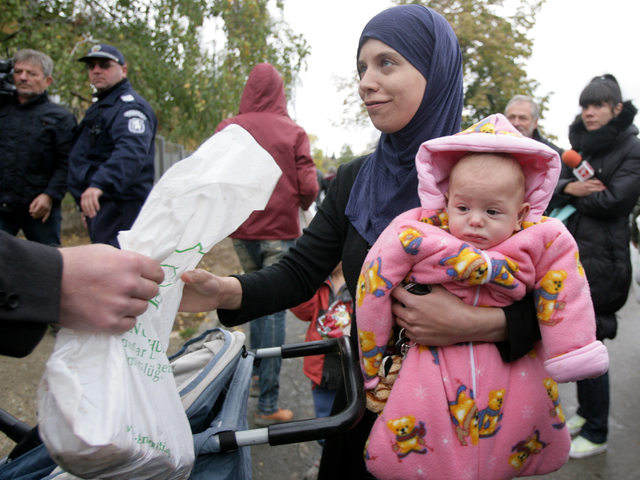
(267, 235)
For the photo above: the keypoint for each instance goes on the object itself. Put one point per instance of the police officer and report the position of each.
(35, 139)
(111, 164)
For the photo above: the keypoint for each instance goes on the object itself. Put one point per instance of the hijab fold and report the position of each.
(387, 183)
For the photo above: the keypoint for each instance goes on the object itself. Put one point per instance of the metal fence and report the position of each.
(167, 154)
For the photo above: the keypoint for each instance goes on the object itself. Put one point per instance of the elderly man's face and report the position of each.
(105, 73)
(520, 116)
(30, 80)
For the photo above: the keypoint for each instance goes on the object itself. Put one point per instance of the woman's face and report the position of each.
(595, 116)
(390, 86)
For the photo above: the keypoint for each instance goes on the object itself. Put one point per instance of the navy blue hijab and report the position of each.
(387, 183)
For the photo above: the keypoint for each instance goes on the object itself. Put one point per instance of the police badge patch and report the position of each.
(135, 113)
(136, 125)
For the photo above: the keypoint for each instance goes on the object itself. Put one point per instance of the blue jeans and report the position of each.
(323, 401)
(47, 233)
(267, 331)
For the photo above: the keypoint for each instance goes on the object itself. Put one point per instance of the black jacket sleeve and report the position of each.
(523, 328)
(30, 281)
(57, 187)
(297, 277)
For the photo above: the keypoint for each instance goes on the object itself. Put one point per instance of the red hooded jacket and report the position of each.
(263, 113)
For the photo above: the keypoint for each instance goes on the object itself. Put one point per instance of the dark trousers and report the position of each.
(343, 455)
(47, 233)
(593, 397)
(114, 216)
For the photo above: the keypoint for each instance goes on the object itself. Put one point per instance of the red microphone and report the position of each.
(581, 168)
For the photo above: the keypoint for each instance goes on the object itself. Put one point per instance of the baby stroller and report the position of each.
(213, 374)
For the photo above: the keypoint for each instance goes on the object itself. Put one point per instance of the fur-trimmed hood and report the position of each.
(436, 158)
(586, 142)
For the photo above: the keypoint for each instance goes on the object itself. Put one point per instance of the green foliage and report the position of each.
(494, 52)
(191, 88)
(188, 332)
(346, 154)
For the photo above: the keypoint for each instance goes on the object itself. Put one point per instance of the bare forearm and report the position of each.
(485, 324)
(440, 318)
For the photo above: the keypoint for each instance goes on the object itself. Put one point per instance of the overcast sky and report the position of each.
(574, 40)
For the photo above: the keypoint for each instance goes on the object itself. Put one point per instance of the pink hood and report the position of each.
(436, 158)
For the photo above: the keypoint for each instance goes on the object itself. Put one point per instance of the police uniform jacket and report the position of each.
(35, 139)
(113, 147)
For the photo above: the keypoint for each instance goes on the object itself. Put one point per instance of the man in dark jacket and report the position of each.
(523, 112)
(111, 164)
(93, 288)
(35, 138)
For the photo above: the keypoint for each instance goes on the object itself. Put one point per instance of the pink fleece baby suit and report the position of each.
(460, 412)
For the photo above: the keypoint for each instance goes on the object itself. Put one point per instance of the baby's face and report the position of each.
(484, 209)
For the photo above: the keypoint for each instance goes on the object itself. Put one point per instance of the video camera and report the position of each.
(7, 86)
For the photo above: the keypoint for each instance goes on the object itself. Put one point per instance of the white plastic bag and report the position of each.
(108, 406)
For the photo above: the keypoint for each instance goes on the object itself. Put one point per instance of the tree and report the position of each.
(346, 154)
(494, 52)
(190, 87)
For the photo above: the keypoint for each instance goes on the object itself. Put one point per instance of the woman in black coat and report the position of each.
(606, 138)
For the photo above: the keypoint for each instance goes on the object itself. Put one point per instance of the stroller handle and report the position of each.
(314, 428)
(318, 428)
(12, 427)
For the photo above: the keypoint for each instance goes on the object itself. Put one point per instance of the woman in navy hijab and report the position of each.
(387, 183)
(410, 69)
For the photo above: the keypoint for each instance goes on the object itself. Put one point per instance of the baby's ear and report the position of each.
(525, 208)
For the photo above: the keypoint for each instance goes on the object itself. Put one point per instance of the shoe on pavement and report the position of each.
(583, 448)
(280, 416)
(575, 424)
(312, 473)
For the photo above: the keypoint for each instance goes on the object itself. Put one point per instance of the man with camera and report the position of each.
(111, 164)
(35, 139)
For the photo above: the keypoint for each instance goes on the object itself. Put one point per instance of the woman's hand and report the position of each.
(583, 189)
(440, 318)
(203, 292)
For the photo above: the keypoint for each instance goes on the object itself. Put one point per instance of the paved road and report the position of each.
(19, 377)
(288, 462)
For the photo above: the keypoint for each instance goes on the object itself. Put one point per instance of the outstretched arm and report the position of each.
(204, 291)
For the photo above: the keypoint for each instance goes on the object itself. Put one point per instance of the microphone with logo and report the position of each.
(581, 168)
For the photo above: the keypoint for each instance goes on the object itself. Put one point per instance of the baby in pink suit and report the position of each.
(460, 411)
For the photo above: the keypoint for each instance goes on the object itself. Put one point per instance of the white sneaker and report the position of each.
(312, 473)
(575, 424)
(583, 448)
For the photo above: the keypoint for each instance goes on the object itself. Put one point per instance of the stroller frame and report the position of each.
(232, 441)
